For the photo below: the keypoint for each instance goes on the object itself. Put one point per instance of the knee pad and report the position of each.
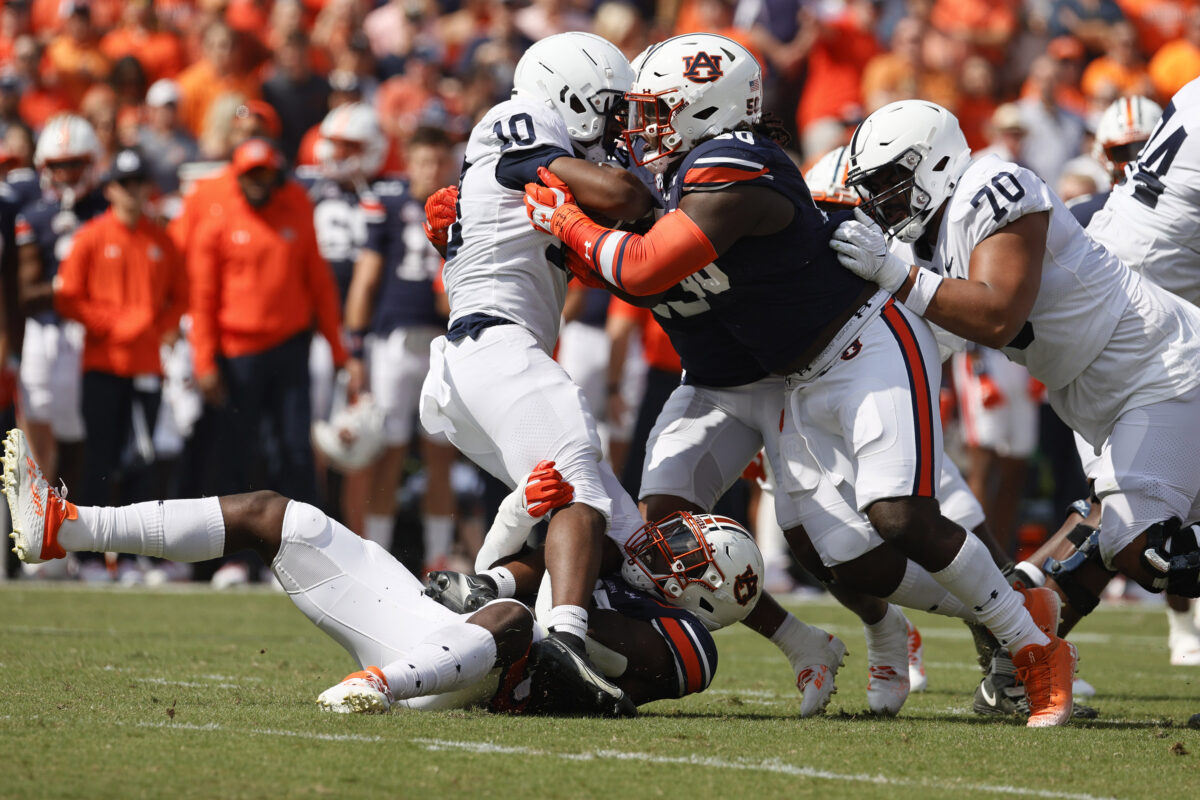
(1172, 554)
(1087, 550)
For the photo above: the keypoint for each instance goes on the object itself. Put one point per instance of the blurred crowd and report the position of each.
(189, 261)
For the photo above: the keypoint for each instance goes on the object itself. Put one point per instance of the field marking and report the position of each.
(191, 684)
(770, 765)
(213, 726)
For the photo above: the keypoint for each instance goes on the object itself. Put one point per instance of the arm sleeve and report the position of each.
(672, 249)
(519, 167)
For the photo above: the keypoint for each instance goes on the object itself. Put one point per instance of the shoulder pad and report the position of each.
(724, 161)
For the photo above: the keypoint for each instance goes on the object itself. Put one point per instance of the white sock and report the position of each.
(569, 619)
(976, 581)
(439, 536)
(919, 590)
(380, 529)
(447, 659)
(802, 643)
(506, 584)
(179, 530)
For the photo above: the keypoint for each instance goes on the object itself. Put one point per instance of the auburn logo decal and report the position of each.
(854, 349)
(702, 68)
(745, 586)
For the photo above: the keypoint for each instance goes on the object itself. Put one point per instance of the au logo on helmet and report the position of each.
(745, 586)
(702, 68)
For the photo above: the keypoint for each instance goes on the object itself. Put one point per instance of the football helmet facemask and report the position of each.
(905, 160)
(707, 564)
(1123, 128)
(689, 87)
(826, 181)
(583, 77)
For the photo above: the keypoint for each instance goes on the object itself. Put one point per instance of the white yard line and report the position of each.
(212, 726)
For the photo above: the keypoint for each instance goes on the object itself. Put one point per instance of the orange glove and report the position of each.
(542, 201)
(441, 211)
(989, 392)
(545, 490)
(755, 471)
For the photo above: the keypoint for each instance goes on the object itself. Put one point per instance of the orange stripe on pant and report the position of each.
(922, 405)
(694, 674)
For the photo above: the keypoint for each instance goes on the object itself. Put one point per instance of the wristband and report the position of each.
(924, 288)
(356, 343)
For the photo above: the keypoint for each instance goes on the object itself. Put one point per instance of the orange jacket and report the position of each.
(128, 287)
(257, 279)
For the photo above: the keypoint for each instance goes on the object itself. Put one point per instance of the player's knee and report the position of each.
(254, 520)
(511, 625)
(656, 506)
(905, 520)
(1164, 557)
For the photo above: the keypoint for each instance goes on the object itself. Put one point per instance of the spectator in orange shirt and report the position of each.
(159, 51)
(40, 100)
(258, 282)
(124, 281)
(74, 55)
(1120, 71)
(14, 22)
(218, 73)
(977, 99)
(1177, 62)
(1157, 21)
(905, 73)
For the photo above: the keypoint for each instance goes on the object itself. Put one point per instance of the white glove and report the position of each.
(862, 249)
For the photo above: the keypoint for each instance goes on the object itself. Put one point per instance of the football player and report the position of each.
(695, 574)
(858, 418)
(493, 387)
(999, 260)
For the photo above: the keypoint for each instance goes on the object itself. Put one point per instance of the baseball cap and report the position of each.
(128, 163)
(1008, 117)
(163, 91)
(265, 113)
(254, 153)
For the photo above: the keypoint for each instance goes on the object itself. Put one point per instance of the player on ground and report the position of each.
(493, 388)
(858, 365)
(411, 646)
(1000, 260)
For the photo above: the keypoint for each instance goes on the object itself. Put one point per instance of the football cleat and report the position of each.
(564, 682)
(917, 680)
(1047, 672)
(817, 681)
(363, 692)
(986, 645)
(887, 660)
(1000, 692)
(1183, 639)
(1044, 606)
(459, 592)
(37, 509)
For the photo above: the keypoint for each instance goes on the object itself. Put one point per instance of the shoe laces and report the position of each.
(882, 672)
(59, 493)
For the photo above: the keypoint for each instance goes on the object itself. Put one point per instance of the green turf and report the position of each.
(111, 693)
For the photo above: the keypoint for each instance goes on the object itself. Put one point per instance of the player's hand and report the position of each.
(545, 490)
(542, 201)
(212, 388)
(862, 248)
(356, 379)
(581, 270)
(440, 214)
(458, 592)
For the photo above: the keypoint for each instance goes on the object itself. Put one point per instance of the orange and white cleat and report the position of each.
(817, 680)
(1044, 606)
(1047, 672)
(38, 510)
(918, 681)
(363, 692)
(887, 663)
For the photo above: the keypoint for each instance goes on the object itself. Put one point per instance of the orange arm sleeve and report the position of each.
(638, 265)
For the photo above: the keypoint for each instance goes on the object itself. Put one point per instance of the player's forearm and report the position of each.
(970, 309)
(364, 285)
(614, 193)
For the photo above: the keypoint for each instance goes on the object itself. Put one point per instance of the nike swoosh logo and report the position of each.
(990, 697)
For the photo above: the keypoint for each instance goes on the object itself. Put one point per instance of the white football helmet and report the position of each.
(356, 123)
(826, 180)
(353, 437)
(905, 160)
(1123, 128)
(689, 87)
(68, 138)
(707, 564)
(581, 76)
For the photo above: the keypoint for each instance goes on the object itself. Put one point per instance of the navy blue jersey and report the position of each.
(340, 222)
(1084, 208)
(395, 231)
(690, 643)
(24, 182)
(46, 224)
(595, 308)
(771, 294)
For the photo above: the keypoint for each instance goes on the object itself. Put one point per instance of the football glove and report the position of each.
(862, 249)
(545, 490)
(459, 592)
(542, 201)
(440, 213)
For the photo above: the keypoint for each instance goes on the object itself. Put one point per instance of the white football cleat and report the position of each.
(364, 692)
(1081, 688)
(887, 662)
(1183, 638)
(917, 680)
(38, 510)
(817, 680)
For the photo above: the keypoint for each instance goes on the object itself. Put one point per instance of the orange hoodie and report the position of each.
(128, 287)
(257, 279)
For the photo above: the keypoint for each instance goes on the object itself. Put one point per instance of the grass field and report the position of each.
(181, 694)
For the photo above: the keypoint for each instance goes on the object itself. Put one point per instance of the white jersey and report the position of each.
(1150, 220)
(1099, 338)
(497, 262)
